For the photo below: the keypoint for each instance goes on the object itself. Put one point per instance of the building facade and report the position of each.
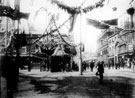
(120, 40)
(113, 40)
(102, 51)
(7, 26)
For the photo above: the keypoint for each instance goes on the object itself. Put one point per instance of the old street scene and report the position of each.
(67, 48)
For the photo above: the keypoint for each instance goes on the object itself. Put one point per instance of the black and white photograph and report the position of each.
(67, 48)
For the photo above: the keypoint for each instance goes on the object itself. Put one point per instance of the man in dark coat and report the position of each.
(92, 66)
(9, 69)
(100, 70)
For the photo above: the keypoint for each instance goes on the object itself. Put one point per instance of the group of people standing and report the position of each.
(88, 65)
(100, 70)
(99, 65)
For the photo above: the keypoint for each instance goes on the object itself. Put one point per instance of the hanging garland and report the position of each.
(71, 10)
(77, 10)
(90, 8)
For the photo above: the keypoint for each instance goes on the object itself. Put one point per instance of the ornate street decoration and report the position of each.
(77, 10)
(14, 14)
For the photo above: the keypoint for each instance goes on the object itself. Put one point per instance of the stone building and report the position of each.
(127, 36)
(113, 48)
(102, 51)
(120, 40)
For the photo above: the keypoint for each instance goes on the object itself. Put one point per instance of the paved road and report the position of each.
(108, 72)
(35, 84)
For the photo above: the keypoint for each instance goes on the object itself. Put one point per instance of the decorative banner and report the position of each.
(11, 13)
(111, 22)
(97, 24)
(103, 24)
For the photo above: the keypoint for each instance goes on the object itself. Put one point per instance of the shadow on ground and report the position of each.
(86, 87)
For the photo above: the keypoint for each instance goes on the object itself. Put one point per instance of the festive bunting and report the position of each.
(71, 10)
(91, 7)
(77, 10)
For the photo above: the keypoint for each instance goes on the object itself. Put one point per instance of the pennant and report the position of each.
(72, 22)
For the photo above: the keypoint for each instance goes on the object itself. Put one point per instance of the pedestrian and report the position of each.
(29, 64)
(42, 65)
(100, 70)
(92, 66)
(132, 65)
(10, 72)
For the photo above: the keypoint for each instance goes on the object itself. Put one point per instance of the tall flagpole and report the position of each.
(80, 58)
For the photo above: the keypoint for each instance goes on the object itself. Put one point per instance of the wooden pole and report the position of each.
(80, 58)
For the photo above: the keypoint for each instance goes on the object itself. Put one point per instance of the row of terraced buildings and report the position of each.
(117, 44)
